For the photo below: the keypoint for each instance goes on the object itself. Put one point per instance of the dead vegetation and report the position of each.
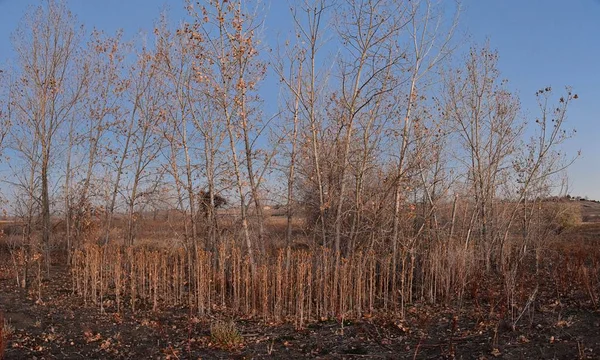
(3, 336)
(396, 200)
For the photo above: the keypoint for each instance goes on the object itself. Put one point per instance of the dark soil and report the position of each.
(552, 326)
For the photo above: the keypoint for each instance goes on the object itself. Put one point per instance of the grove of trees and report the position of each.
(401, 161)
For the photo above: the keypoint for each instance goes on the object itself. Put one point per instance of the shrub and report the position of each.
(563, 216)
(224, 334)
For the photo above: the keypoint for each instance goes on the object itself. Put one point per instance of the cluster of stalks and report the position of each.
(579, 271)
(300, 288)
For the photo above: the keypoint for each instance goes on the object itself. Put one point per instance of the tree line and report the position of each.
(389, 137)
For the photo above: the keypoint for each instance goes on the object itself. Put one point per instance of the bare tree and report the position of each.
(538, 164)
(145, 144)
(428, 44)
(103, 62)
(226, 33)
(25, 167)
(177, 71)
(4, 114)
(368, 31)
(486, 117)
(49, 86)
(298, 69)
(138, 140)
(291, 129)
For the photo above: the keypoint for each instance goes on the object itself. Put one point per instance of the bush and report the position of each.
(566, 216)
(224, 334)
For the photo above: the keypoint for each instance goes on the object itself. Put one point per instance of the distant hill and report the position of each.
(589, 228)
(590, 211)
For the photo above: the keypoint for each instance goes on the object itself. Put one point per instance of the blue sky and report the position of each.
(541, 43)
(550, 43)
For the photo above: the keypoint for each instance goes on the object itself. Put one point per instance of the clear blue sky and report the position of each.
(541, 43)
(550, 43)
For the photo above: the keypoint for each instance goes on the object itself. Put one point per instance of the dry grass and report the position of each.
(2, 338)
(6, 331)
(306, 290)
(225, 335)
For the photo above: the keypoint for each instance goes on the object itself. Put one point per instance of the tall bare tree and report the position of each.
(227, 33)
(137, 136)
(49, 86)
(176, 69)
(427, 43)
(307, 83)
(104, 63)
(4, 113)
(486, 117)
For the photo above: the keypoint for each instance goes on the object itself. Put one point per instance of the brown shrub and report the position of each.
(562, 215)
(224, 334)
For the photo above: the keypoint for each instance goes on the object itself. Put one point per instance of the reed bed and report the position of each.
(299, 289)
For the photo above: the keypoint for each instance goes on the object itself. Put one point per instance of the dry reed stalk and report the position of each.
(585, 278)
(204, 264)
(384, 281)
(263, 274)
(180, 277)
(359, 284)
(237, 279)
(102, 265)
(153, 270)
(298, 292)
(328, 308)
(278, 288)
(94, 271)
(3, 339)
(222, 268)
(300, 273)
(342, 288)
(289, 289)
(132, 278)
(371, 267)
(309, 289)
(118, 278)
(74, 271)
